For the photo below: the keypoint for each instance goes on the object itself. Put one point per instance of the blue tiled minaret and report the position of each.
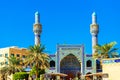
(94, 29)
(37, 28)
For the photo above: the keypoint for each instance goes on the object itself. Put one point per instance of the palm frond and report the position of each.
(106, 50)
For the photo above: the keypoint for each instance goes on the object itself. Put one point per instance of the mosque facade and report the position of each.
(71, 59)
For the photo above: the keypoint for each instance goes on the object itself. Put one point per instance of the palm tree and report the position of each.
(103, 52)
(38, 58)
(12, 67)
(106, 51)
(3, 73)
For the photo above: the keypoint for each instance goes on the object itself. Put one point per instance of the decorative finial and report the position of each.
(37, 17)
(93, 14)
(37, 13)
(94, 18)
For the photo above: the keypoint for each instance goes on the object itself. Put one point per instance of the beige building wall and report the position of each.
(15, 51)
(18, 52)
(3, 54)
(112, 67)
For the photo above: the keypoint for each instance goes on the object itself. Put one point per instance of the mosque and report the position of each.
(71, 59)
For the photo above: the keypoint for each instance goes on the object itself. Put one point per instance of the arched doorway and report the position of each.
(70, 65)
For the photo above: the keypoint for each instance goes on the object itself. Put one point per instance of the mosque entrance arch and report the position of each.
(70, 66)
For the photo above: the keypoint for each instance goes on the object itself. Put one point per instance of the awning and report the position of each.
(56, 74)
(96, 74)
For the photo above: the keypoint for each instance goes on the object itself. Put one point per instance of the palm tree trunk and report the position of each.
(36, 71)
(36, 74)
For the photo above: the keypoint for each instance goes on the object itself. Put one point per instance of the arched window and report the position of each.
(97, 64)
(52, 63)
(89, 63)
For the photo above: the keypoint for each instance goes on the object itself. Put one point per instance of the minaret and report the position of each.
(94, 29)
(37, 28)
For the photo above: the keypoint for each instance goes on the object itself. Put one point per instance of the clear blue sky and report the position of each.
(64, 22)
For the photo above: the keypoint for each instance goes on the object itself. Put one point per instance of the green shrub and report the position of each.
(20, 75)
(37, 79)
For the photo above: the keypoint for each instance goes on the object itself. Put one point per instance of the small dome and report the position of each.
(37, 13)
(93, 14)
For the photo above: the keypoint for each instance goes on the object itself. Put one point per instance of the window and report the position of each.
(0, 55)
(89, 63)
(98, 66)
(17, 55)
(12, 54)
(6, 63)
(0, 63)
(23, 56)
(52, 63)
(6, 54)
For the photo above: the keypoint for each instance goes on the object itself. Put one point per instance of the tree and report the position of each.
(33, 71)
(38, 58)
(12, 67)
(3, 73)
(106, 51)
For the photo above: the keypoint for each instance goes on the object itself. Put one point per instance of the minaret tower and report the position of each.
(94, 29)
(37, 28)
